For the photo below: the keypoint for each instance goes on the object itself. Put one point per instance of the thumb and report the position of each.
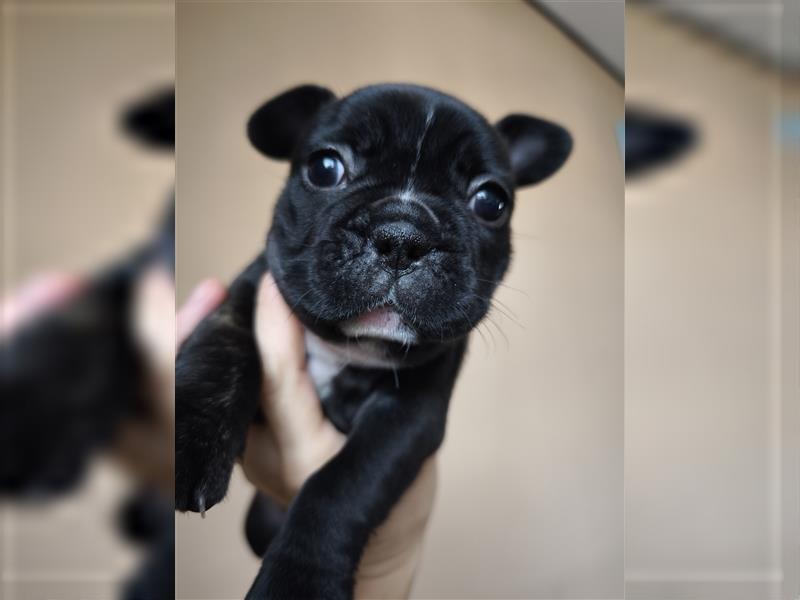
(289, 399)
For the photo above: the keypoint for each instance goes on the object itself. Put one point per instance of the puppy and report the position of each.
(387, 242)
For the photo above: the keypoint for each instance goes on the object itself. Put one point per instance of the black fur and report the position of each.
(654, 140)
(151, 120)
(263, 522)
(398, 232)
(67, 381)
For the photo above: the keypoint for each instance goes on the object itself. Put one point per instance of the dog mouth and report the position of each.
(383, 323)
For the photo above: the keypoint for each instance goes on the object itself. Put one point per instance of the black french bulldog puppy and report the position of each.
(388, 241)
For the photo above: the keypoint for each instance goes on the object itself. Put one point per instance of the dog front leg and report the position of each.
(319, 547)
(217, 382)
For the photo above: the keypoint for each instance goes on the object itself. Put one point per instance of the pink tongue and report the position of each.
(380, 317)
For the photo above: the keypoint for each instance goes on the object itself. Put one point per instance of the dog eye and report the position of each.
(490, 204)
(325, 169)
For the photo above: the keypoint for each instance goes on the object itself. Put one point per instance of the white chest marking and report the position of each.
(323, 364)
(326, 360)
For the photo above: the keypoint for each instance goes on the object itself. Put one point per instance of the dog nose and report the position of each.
(399, 244)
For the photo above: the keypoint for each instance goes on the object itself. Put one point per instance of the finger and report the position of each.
(280, 335)
(204, 299)
(154, 328)
(147, 454)
(262, 463)
(154, 317)
(36, 296)
(290, 400)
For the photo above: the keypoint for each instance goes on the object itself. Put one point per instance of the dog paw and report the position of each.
(201, 484)
(217, 380)
(202, 473)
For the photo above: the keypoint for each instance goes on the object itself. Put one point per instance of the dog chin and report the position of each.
(381, 324)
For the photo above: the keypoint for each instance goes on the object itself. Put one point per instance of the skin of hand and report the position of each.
(298, 439)
(34, 297)
(146, 447)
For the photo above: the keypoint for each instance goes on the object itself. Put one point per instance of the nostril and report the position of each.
(383, 244)
(418, 250)
(399, 245)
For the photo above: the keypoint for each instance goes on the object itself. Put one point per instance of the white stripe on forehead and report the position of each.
(407, 193)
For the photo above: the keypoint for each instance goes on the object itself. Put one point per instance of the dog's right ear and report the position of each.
(276, 127)
(653, 140)
(537, 148)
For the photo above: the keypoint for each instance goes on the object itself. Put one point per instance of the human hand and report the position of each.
(146, 446)
(35, 297)
(297, 440)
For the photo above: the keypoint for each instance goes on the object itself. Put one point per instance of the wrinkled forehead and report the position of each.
(412, 125)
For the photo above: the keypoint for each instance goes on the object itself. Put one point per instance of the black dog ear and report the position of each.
(275, 128)
(537, 148)
(151, 120)
(653, 140)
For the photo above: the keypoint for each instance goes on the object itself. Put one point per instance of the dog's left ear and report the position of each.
(537, 148)
(276, 126)
(151, 120)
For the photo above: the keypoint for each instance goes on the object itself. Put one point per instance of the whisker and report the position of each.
(297, 302)
(496, 305)
(505, 286)
(491, 335)
(489, 319)
(483, 336)
(504, 305)
(511, 318)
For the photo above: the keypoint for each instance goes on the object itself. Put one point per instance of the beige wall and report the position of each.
(75, 196)
(790, 374)
(75, 191)
(530, 497)
(790, 347)
(711, 329)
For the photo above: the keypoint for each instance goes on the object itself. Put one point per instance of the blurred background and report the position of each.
(530, 496)
(712, 260)
(78, 195)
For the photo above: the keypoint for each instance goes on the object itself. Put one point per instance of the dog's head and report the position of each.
(393, 228)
